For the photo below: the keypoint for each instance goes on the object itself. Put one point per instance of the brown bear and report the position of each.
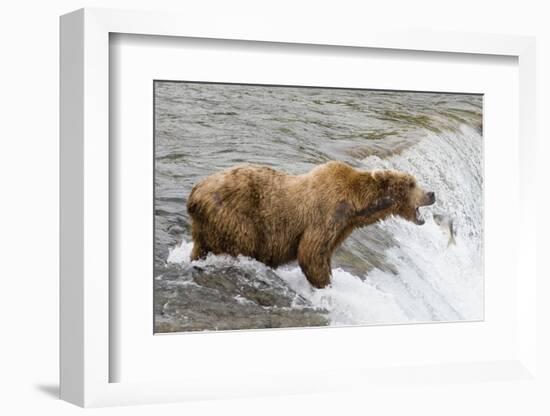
(276, 218)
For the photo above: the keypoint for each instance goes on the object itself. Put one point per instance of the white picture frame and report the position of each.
(85, 355)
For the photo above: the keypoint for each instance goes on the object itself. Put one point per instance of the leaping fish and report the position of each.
(447, 226)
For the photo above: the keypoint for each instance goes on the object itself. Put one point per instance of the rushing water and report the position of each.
(391, 272)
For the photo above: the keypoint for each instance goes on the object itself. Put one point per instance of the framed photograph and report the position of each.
(280, 206)
(244, 214)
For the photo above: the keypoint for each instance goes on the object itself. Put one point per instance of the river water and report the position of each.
(391, 272)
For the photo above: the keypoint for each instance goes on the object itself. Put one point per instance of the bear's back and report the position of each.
(240, 188)
(249, 210)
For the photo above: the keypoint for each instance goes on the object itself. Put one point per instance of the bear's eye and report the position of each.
(411, 185)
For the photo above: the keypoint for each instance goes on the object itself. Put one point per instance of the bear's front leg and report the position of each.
(314, 259)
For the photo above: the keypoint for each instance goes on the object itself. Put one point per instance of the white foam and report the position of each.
(349, 300)
(181, 253)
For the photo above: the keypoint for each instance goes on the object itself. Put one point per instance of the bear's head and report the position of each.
(390, 192)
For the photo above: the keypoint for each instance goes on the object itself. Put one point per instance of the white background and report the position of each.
(29, 209)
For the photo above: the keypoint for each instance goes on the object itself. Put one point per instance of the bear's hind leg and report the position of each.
(198, 252)
(200, 249)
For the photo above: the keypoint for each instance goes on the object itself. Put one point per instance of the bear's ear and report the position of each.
(410, 182)
(382, 178)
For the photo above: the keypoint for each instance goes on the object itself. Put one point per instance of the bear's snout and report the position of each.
(430, 196)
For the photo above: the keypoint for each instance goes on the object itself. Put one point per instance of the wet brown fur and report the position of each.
(276, 218)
